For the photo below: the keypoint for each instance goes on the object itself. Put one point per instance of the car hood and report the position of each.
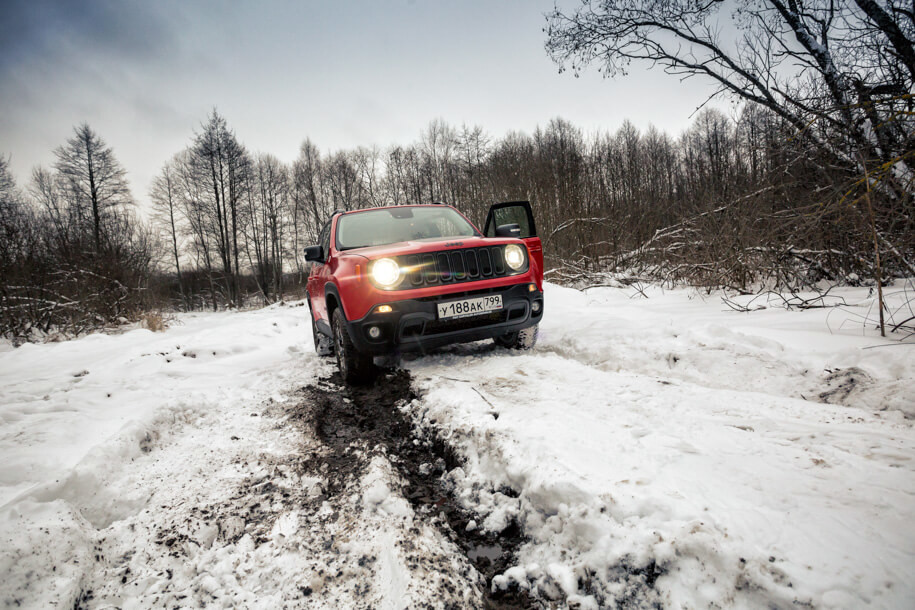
(430, 245)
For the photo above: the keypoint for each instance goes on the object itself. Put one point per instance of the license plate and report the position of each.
(469, 307)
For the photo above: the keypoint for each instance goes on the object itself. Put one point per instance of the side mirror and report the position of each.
(510, 230)
(314, 254)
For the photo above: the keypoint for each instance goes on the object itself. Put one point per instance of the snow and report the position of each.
(671, 431)
(63, 401)
(663, 450)
(75, 414)
(169, 476)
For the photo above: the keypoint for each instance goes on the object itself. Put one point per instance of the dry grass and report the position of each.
(154, 321)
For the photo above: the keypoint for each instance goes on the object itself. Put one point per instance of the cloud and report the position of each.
(47, 33)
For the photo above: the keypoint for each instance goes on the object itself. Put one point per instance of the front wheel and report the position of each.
(525, 338)
(355, 367)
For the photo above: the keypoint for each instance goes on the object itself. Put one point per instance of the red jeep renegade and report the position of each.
(409, 278)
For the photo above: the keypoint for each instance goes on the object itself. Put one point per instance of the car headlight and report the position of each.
(514, 256)
(386, 272)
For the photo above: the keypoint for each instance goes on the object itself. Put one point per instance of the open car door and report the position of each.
(519, 213)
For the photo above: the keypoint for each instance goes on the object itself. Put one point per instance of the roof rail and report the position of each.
(338, 211)
(437, 203)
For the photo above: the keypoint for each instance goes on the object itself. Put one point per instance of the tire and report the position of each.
(525, 338)
(324, 345)
(355, 368)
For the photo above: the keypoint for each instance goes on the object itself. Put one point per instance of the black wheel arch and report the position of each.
(332, 301)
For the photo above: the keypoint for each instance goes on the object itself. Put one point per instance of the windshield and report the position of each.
(383, 226)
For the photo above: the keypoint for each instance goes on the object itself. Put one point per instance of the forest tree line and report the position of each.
(809, 178)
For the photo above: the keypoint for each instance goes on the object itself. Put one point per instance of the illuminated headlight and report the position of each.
(386, 272)
(514, 256)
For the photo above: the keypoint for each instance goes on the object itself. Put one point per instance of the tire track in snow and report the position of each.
(359, 424)
(326, 497)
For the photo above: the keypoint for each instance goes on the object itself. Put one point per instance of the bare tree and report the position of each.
(471, 157)
(73, 256)
(405, 181)
(220, 162)
(846, 64)
(438, 143)
(839, 73)
(166, 199)
(369, 171)
(311, 207)
(267, 212)
(94, 177)
(15, 226)
(193, 193)
(9, 193)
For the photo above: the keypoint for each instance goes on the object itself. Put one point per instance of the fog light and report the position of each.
(535, 306)
(374, 332)
(384, 309)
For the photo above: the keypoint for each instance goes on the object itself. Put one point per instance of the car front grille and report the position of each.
(453, 266)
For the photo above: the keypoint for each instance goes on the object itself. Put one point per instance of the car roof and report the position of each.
(404, 205)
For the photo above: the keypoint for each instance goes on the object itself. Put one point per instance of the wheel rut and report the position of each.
(356, 423)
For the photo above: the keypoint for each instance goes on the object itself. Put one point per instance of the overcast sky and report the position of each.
(145, 74)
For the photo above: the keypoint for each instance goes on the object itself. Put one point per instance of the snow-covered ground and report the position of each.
(663, 450)
(673, 434)
(150, 470)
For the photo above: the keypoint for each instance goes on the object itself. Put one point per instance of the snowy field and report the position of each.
(666, 450)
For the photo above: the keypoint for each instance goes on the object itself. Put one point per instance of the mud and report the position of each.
(356, 422)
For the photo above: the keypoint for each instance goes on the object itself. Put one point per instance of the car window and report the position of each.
(514, 214)
(383, 226)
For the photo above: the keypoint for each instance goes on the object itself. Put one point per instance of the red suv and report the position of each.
(409, 278)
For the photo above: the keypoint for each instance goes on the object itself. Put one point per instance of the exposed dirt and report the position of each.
(347, 418)
(842, 383)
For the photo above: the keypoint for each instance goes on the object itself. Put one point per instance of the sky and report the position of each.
(145, 75)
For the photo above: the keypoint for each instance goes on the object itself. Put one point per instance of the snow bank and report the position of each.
(673, 451)
(687, 335)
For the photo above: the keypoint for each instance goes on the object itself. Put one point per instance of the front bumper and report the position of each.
(413, 324)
